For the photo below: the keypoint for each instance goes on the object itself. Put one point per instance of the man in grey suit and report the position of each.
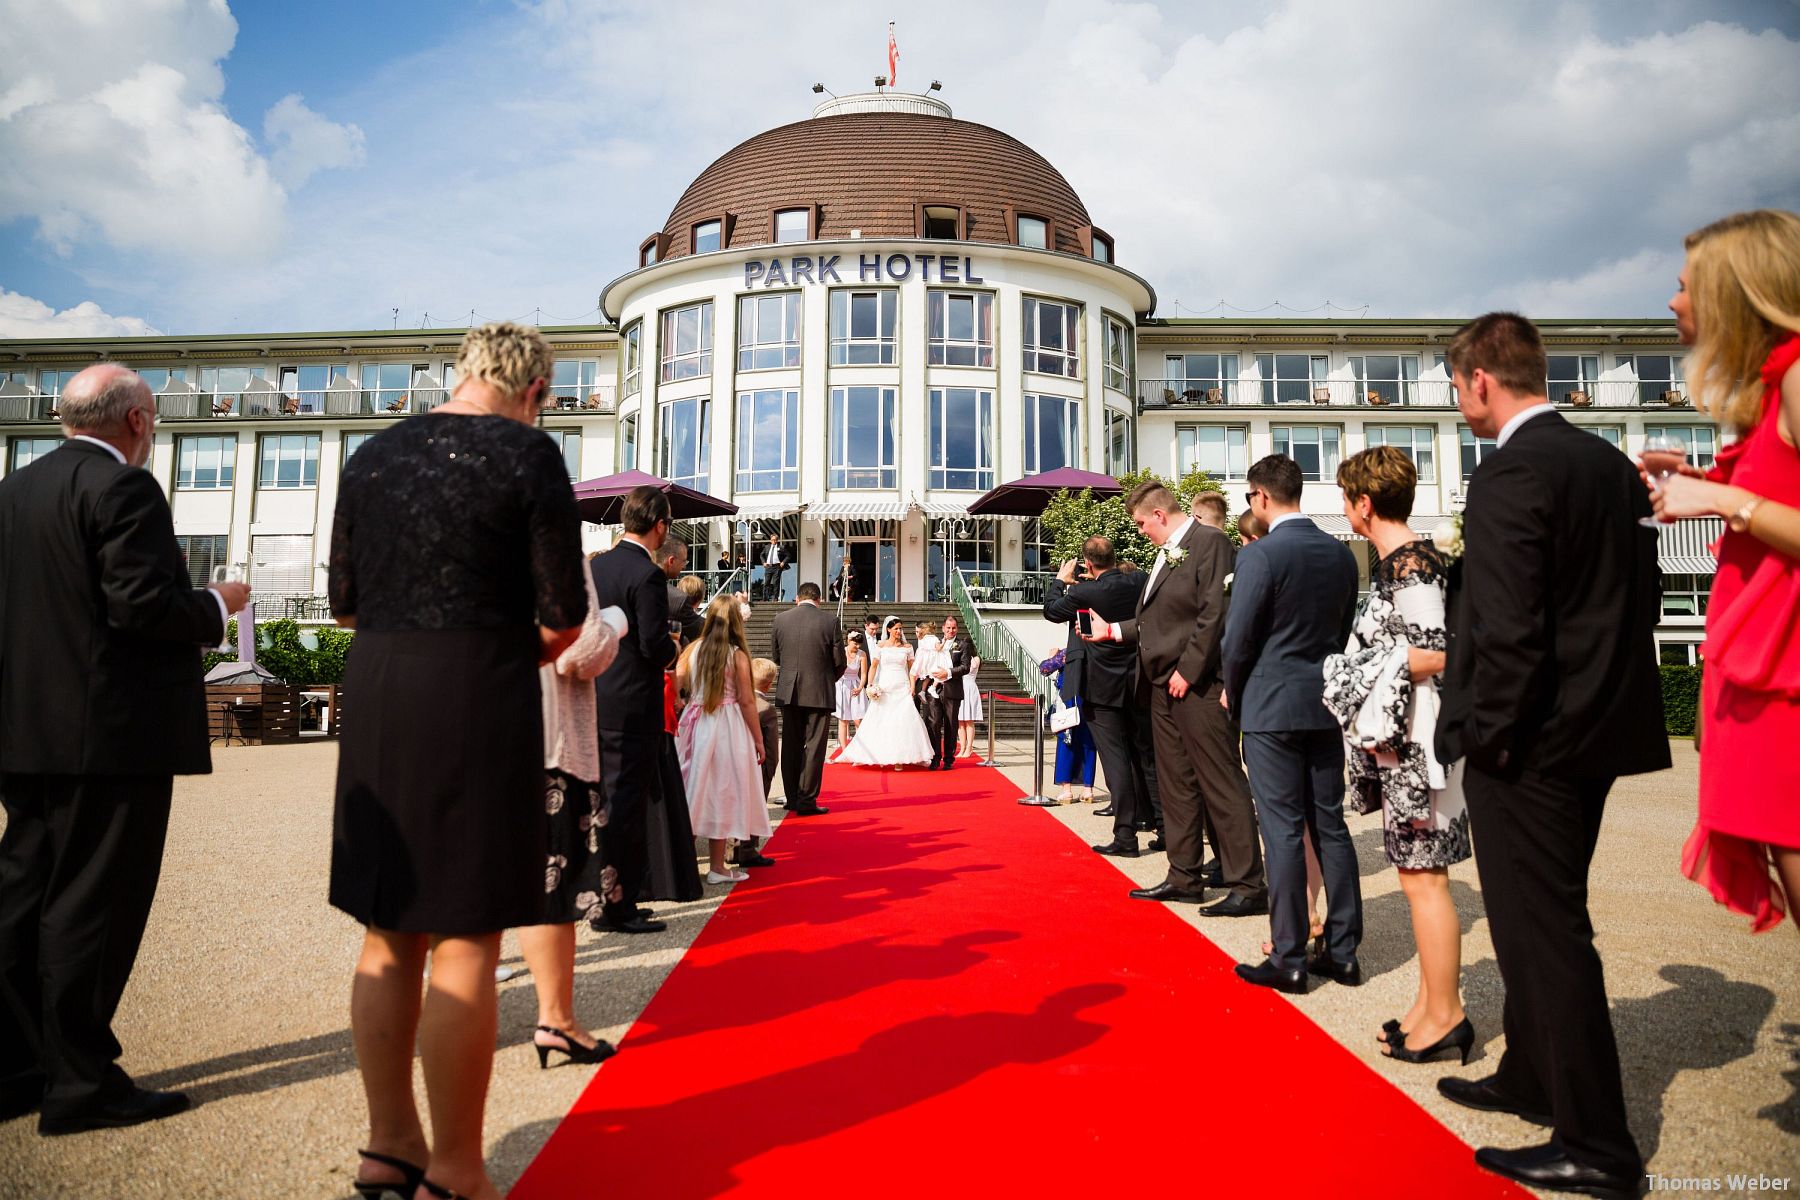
(808, 646)
(1293, 600)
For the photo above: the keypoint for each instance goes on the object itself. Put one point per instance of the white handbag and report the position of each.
(1063, 717)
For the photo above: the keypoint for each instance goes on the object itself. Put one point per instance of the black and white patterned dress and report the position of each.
(1425, 827)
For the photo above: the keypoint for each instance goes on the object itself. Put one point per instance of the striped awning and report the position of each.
(1338, 525)
(958, 508)
(858, 510)
(762, 512)
(1685, 548)
(1672, 564)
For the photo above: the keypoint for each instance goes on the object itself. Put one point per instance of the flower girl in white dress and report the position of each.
(719, 739)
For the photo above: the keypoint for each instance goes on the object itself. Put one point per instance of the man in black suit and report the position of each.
(944, 699)
(101, 705)
(1293, 600)
(808, 646)
(724, 563)
(774, 562)
(1113, 706)
(1551, 692)
(1180, 620)
(628, 698)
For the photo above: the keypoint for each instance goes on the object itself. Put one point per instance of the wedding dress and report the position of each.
(891, 733)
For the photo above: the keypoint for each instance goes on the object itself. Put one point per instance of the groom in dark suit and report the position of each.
(807, 643)
(1551, 692)
(101, 705)
(944, 702)
(1293, 600)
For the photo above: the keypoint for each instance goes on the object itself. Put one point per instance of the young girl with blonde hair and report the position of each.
(719, 739)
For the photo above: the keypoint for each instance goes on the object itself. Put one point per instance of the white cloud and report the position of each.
(305, 142)
(23, 317)
(112, 130)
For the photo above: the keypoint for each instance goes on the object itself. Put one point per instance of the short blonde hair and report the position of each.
(1385, 475)
(1744, 284)
(692, 587)
(762, 673)
(506, 355)
(927, 628)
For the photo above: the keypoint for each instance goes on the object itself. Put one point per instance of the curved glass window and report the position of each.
(1052, 337)
(707, 237)
(1120, 354)
(633, 354)
(686, 442)
(768, 441)
(961, 328)
(863, 453)
(862, 328)
(962, 439)
(687, 338)
(769, 331)
(1052, 433)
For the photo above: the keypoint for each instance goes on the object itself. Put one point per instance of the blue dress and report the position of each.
(1075, 752)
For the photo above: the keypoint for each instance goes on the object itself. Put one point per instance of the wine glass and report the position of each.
(228, 573)
(1663, 455)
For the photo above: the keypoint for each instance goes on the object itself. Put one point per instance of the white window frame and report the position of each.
(842, 315)
(1328, 438)
(750, 476)
(941, 347)
(1069, 424)
(846, 475)
(717, 227)
(1417, 440)
(1175, 368)
(1269, 365)
(1041, 313)
(755, 342)
(287, 447)
(939, 476)
(1468, 444)
(805, 215)
(1192, 442)
(195, 452)
(1121, 352)
(1694, 590)
(40, 447)
(1586, 377)
(694, 362)
(1402, 389)
(632, 355)
(1042, 228)
(568, 444)
(1116, 421)
(1702, 441)
(353, 440)
(701, 475)
(1650, 390)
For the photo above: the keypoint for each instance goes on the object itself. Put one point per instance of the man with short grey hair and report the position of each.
(101, 705)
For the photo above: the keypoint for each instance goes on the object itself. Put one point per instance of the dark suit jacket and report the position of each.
(1293, 601)
(628, 695)
(808, 645)
(1181, 615)
(100, 627)
(1552, 662)
(1108, 670)
(691, 620)
(960, 652)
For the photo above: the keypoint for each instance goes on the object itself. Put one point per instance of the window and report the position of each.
(1121, 442)
(962, 439)
(289, 460)
(634, 359)
(650, 251)
(282, 564)
(1291, 378)
(1222, 451)
(220, 383)
(940, 221)
(27, 450)
(1678, 654)
(1685, 595)
(687, 336)
(707, 237)
(305, 385)
(1393, 377)
(51, 383)
(205, 463)
(1034, 232)
(1192, 376)
(385, 385)
(793, 225)
(863, 440)
(568, 443)
(1474, 449)
(961, 328)
(1039, 547)
(202, 552)
(1572, 373)
(1103, 247)
(686, 442)
(1418, 441)
(158, 377)
(1702, 441)
(1052, 433)
(1052, 337)
(862, 328)
(1314, 447)
(628, 429)
(769, 331)
(768, 441)
(1656, 373)
(1121, 354)
(354, 442)
(1612, 435)
(572, 381)
(973, 554)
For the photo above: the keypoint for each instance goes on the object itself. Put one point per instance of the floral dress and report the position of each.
(1424, 826)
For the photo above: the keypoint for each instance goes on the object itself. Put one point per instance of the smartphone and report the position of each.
(1084, 622)
(674, 627)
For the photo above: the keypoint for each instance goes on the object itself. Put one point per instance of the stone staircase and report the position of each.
(1014, 720)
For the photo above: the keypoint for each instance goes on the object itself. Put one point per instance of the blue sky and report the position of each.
(185, 166)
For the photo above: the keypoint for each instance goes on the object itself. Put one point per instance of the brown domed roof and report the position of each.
(868, 171)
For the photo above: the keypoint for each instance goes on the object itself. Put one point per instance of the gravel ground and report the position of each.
(241, 998)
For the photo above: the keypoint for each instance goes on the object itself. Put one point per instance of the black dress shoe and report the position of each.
(1212, 876)
(1549, 1167)
(753, 859)
(813, 811)
(1238, 906)
(1267, 974)
(1484, 1095)
(1117, 850)
(1169, 892)
(133, 1108)
(1349, 974)
(1156, 843)
(1107, 811)
(636, 923)
(1210, 867)
(21, 1094)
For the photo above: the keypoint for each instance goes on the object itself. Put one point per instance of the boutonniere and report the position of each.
(1177, 555)
(1228, 580)
(1448, 536)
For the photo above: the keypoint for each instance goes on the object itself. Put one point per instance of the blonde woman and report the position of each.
(1739, 307)
(719, 740)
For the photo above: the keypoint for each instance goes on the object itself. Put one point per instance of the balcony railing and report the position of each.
(1007, 587)
(1178, 394)
(189, 404)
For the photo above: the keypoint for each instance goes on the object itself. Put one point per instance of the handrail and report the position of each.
(995, 642)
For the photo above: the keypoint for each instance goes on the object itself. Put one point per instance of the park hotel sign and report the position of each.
(869, 268)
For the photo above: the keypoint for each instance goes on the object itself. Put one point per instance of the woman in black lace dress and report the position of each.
(456, 555)
(1395, 657)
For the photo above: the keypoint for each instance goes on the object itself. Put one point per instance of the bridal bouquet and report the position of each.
(872, 692)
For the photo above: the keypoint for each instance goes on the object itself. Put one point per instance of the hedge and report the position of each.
(281, 649)
(1681, 699)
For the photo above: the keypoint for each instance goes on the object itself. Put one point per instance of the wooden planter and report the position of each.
(255, 714)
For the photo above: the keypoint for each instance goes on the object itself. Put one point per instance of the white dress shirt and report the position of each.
(1288, 516)
(1162, 555)
(1512, 426)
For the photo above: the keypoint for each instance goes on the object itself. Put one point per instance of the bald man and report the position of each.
(101, 705)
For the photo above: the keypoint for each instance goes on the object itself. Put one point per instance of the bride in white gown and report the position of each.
(891, 733)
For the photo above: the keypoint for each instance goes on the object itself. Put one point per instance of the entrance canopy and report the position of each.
(601, 499)
(1028, 497)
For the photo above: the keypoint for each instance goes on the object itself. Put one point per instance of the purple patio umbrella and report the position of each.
(1029, 496)
(600, 499)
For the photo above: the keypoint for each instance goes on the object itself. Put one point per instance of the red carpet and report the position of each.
(938, 993)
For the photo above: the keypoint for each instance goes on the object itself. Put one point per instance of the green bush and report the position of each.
(1681, 699)
(281, 649)
(1073, 517)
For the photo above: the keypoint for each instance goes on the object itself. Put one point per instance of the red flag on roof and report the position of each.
(893, 57)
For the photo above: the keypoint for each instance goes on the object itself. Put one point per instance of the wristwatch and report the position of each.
(1739, 521)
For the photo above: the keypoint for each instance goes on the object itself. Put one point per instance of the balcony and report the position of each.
(182, 401)
(1175, 395)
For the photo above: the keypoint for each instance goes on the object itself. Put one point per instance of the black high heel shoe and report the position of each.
(411, 1175)
(599, 1052)
(1389, 1029)
(1460, 1039)
(442, 1193)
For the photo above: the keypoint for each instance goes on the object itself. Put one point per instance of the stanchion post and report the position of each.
(989, 760)
(1037, 798)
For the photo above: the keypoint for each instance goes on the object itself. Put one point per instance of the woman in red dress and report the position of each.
(1739, 307)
